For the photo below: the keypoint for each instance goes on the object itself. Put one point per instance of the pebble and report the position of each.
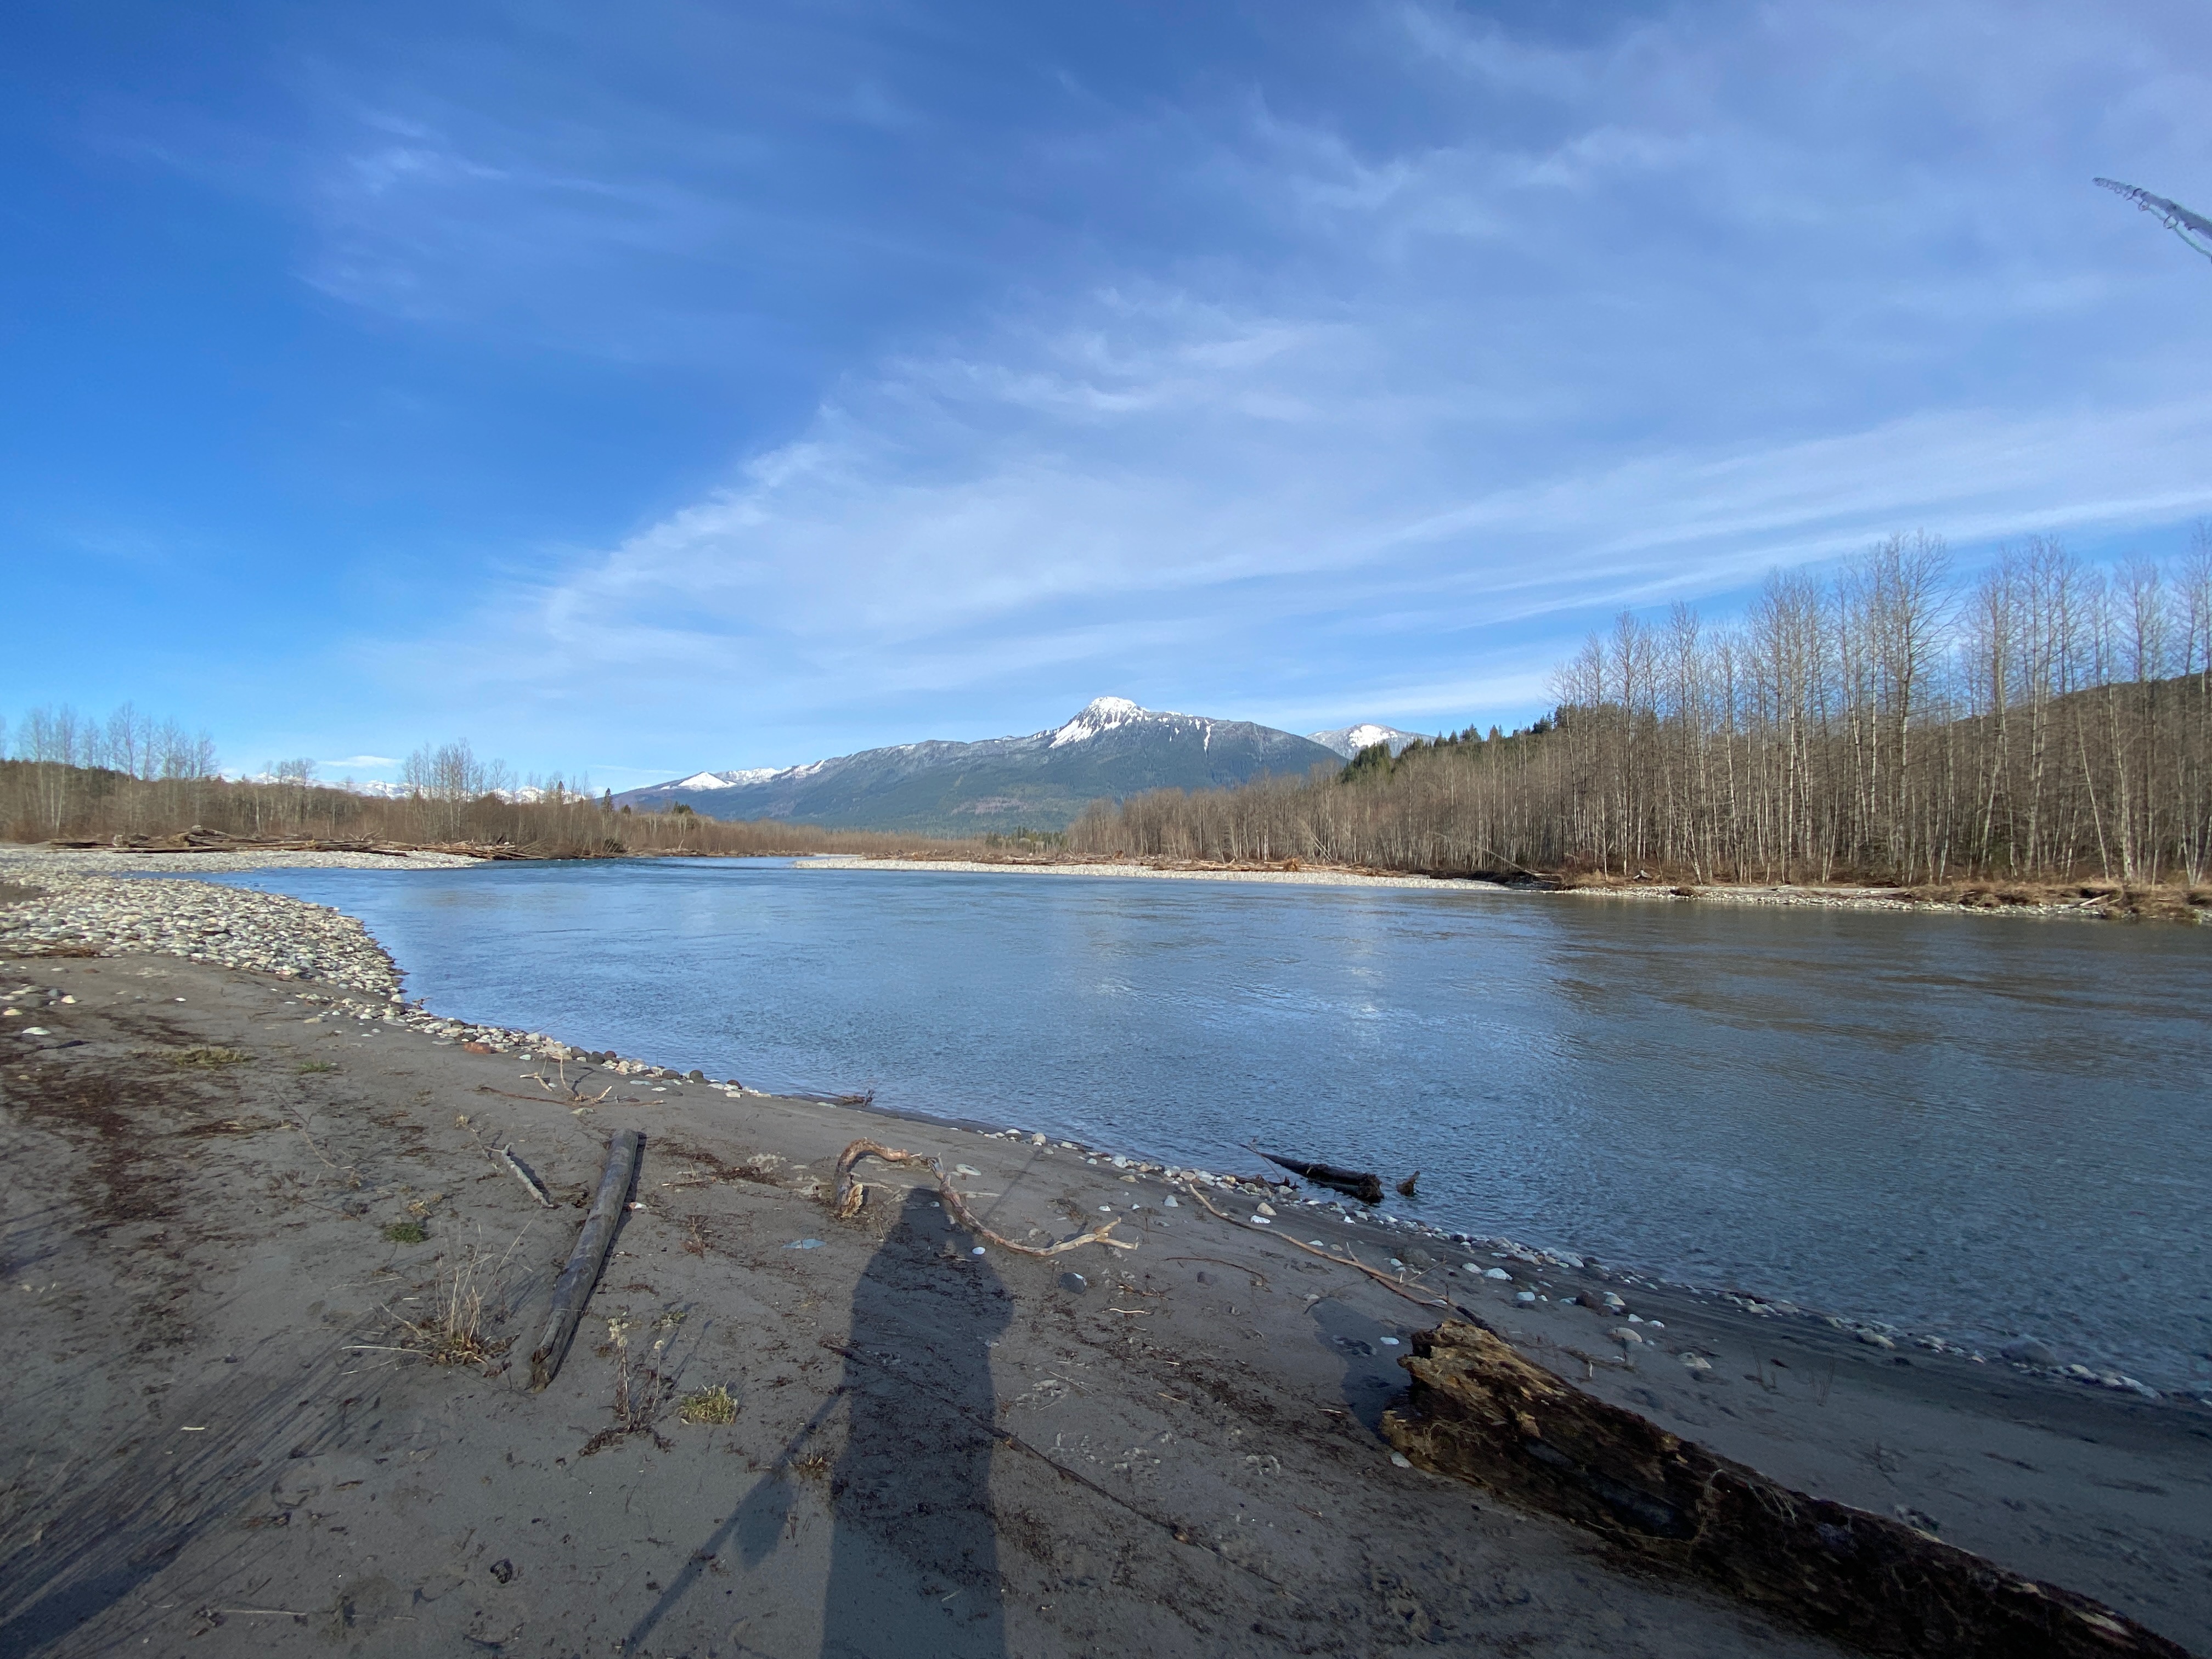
(1496, 1273)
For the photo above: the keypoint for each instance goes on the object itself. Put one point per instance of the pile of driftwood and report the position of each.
(1480, 1410)
(197, 840)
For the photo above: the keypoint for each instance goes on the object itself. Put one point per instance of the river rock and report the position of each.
(2027, 1350)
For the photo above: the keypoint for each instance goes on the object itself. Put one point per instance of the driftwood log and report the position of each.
(845, 1203)
(1363, 1184)
(573, 1290)
(1480, 1410)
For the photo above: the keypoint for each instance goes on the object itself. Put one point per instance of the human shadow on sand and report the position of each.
(914, 1563)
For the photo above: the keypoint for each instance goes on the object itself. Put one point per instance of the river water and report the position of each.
(1982, 1126)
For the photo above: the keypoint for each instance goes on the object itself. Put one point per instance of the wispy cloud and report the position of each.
(1350, 370)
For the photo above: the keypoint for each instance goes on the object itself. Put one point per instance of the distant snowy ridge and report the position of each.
(377, 789)
(1349, 740)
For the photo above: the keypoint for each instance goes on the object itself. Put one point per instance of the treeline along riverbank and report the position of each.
(51, 800)
(2045, 723)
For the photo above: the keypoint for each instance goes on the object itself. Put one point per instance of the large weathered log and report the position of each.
(573, 1290)
(1480, 1410)
(1363, 1184)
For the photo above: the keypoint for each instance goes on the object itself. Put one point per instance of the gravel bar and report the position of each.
(35, 863)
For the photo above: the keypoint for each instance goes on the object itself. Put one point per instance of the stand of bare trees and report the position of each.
(76, 779)
(2046, 721)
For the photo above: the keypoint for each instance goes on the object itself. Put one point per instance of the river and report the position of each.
(1980, 1126)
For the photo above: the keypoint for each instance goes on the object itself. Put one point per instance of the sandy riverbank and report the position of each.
(1302, 878)
(212, 1430)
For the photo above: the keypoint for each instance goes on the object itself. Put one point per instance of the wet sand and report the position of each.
(215, 1441)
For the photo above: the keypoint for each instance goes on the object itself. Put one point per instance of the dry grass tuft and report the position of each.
(712, 1405)
(453, 1332)
(208, 1057)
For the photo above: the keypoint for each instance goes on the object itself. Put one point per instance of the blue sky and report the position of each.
(634, 389)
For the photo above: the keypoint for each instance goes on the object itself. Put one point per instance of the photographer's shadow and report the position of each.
(914, 1556)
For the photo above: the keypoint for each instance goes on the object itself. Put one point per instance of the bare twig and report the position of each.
(522, 1173)
(352, 1176)
(509, 1094)
(846, 1204)
(1374, 1273)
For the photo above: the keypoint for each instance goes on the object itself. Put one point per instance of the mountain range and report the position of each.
(1111, 750)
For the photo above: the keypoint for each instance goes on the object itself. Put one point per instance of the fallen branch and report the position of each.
(573, 1290)
(1345, 1261)
(1480, 1410)
(850, 1193)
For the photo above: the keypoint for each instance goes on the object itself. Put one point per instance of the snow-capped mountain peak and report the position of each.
(1349, 740)
(1103, 714)
(730, 780)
